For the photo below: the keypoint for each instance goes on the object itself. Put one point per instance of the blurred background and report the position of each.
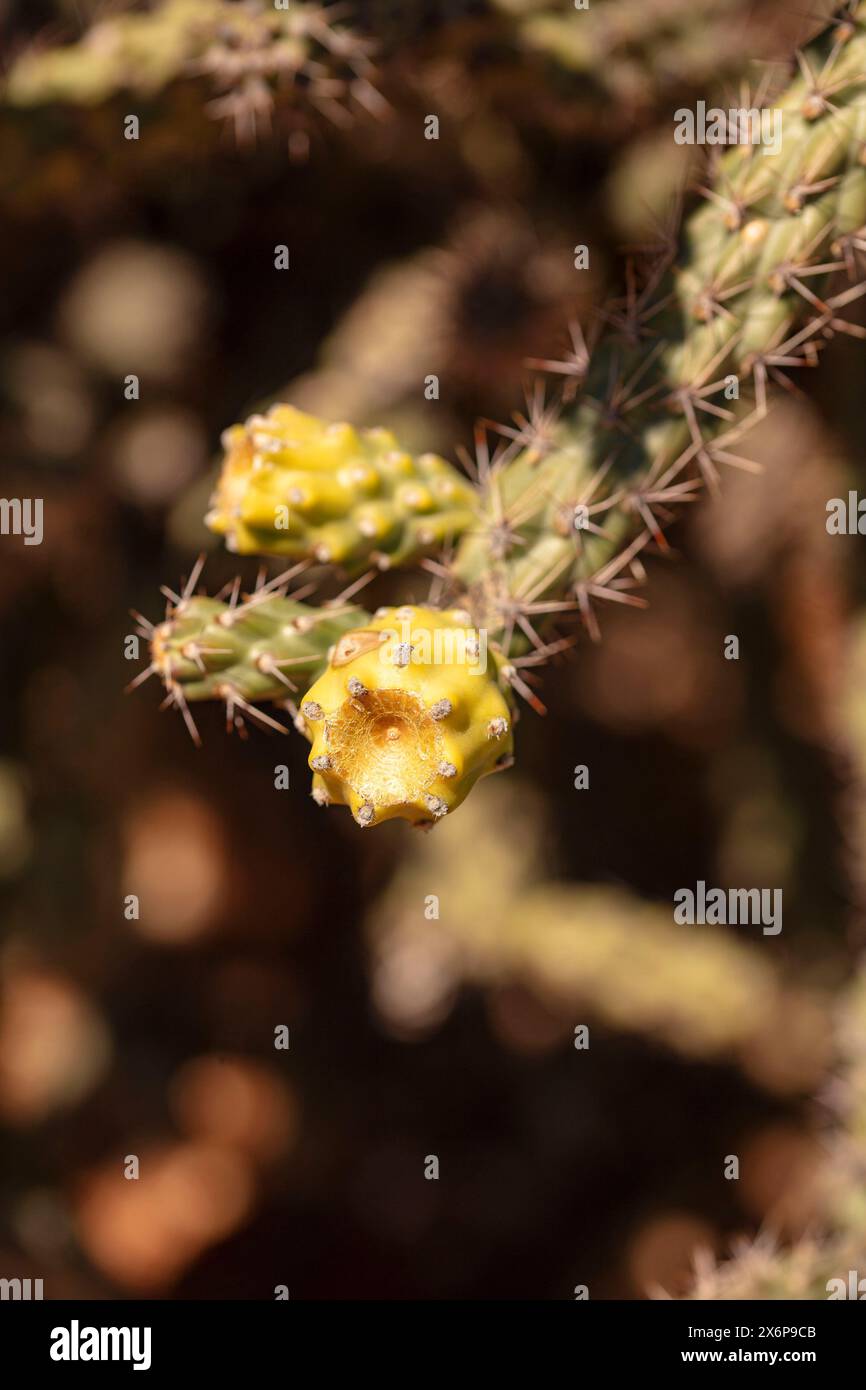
(409, 1037)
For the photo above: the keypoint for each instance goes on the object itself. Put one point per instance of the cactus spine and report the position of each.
(578, 488)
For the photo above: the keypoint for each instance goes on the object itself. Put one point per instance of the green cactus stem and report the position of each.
(680, 367)
(246, 650)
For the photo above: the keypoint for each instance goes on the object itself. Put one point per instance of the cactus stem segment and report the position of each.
(210, 648)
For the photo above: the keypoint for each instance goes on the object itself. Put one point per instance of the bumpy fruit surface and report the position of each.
(409, 714)
(293, 485)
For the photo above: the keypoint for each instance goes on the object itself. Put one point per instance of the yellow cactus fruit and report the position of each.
(293, 485)
(411, 711)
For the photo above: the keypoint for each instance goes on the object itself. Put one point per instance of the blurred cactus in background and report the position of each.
(819, 1265)
(627, 47)
(258, 56)
(590, 952)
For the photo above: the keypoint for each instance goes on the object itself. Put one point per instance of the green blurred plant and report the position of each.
(588, 953)
(627, 47)
(818, 1265)
(258, 57)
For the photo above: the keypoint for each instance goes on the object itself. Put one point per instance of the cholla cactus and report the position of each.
(655, 402)
(628, 47)
(243, 653)
(818, 1266)
(257, 55)
(705, 995)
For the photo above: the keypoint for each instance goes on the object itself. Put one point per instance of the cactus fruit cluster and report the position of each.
(652, 405)
(295, 487)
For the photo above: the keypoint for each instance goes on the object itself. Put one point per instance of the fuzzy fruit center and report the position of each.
(385, 745)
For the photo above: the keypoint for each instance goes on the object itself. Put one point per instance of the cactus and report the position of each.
(505, 921)
(292, 486)
(818, 1265)
(255, 53)
(626, 47)
(649, 414)
(652, 421)
(244, 653)
(407, 717)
